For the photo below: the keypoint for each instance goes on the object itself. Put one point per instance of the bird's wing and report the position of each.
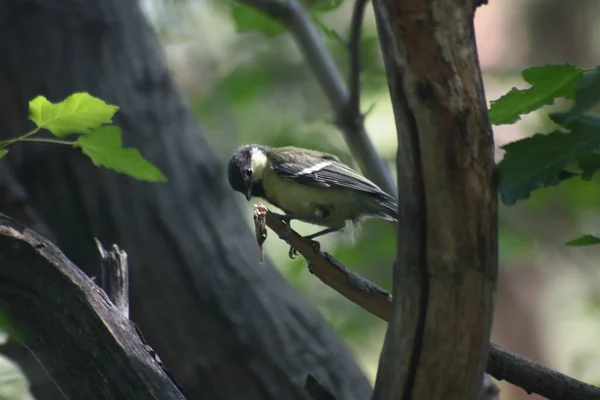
(324, 171)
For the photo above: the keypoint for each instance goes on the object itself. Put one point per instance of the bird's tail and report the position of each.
(387, 207)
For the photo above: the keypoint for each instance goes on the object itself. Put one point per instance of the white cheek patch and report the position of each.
(258, 163)
(314, 168)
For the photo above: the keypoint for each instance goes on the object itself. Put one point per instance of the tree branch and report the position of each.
(355, 62)
(535, 378)
(60, 315)
(331, 272)
(501, 364)
(291, 14)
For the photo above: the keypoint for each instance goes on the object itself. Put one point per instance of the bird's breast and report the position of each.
(296, 198)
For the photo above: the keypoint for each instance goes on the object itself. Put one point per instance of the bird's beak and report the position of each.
(249, 193)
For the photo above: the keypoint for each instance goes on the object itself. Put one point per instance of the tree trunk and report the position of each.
(438, 335)
(224, 325)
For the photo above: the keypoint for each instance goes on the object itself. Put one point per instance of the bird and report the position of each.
(308, 185)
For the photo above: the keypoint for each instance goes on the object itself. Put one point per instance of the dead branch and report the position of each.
(58, 313)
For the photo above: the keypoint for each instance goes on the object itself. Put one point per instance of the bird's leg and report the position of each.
(321, 233)
(287, 218)
(320, 213)
(315, 244)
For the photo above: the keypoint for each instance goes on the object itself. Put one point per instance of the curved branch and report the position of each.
(291, 14)
(354, 50)
(501, 364)
(60, 315)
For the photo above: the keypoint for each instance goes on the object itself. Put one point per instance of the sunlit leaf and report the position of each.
(104, 147)
(585, 240)
(78, 113)
(547, 83)
(3, 152)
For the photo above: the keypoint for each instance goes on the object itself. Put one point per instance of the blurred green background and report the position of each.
(246, 87)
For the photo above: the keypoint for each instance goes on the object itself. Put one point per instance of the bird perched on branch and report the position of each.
(308, 185)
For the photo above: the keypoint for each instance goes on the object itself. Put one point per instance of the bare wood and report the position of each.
(436, 342)
(501, 364)
(86, 345)
(115, 276)
(334, 274)
(535, 378)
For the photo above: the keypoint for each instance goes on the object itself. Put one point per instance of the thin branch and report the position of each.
(355, 62)
(334, 274)
(316, 390)
(115, 276)
(535, 378)
(501, 364)
(291, 14)
(48, 140)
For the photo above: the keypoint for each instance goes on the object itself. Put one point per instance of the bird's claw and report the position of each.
(293, 252)
(316, 245)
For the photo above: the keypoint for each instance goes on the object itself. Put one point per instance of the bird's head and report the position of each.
(246, 167)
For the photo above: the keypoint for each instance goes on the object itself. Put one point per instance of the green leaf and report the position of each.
(249, 19)
(547, 83)
(3, 152)
(587, 94)
(585, 240)
(589, 164)
(104, 147)
(539, 161)
(78, 113)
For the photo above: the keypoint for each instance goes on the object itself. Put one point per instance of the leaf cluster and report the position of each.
(89, 120)
(570, 150)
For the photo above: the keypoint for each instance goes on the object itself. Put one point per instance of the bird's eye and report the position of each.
(248, 172)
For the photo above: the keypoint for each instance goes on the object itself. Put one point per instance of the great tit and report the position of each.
(308, 185)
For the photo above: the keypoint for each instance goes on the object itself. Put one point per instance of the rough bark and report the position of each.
(437, 338)
(85, 343)
(225, 326)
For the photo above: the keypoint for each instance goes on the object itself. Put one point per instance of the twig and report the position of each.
(502, 364)
(291, 14)
(355, 62)
(535, 378)
(115, 276)
(316, 390)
